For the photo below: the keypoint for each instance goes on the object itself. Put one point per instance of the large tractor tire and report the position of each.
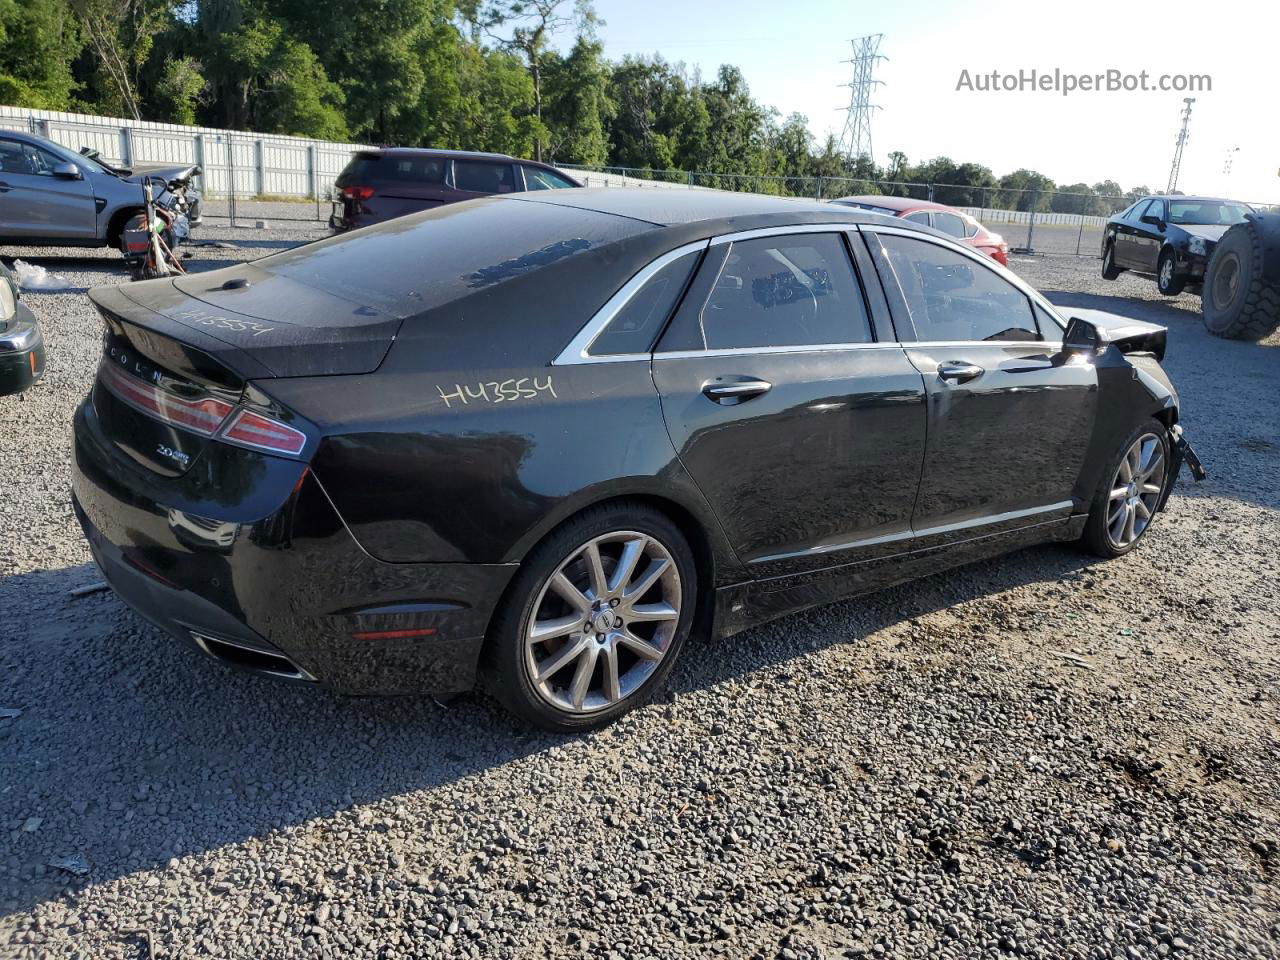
(1241, 293)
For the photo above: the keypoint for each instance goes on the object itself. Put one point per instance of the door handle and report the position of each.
(734, 391)
(955, 371)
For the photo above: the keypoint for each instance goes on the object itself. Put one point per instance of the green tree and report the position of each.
(577, 108)
(1026, 190)
(38, 41)
(177, 92)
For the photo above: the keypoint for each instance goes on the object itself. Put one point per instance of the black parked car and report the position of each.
(380, 184)
(586, 423)
(21, 343)
(1169, 238)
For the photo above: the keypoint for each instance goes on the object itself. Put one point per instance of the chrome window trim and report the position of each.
(910, 534)
(578, 350)
(789, 348)
(782, 231)
(1002, 272)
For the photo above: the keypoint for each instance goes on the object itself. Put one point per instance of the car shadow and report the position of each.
(119, 722)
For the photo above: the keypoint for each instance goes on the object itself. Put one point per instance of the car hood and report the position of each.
(1209, 231)
(181, 171)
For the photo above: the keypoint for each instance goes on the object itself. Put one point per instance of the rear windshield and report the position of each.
(381, 167)
(415, 263)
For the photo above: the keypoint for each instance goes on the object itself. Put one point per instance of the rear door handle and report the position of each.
(734, 391)
(956, 371)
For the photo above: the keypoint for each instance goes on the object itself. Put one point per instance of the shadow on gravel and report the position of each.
(131, 749)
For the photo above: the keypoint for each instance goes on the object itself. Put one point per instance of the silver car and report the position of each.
(52, 196)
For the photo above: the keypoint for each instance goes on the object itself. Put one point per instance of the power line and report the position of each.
(855, 141)
(1179, 144)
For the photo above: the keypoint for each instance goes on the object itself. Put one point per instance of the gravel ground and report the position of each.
(1038, 756)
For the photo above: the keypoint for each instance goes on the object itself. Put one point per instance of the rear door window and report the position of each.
(788, 290)
(920, 216)
(953, 297)
(483, 176)
(948, 223)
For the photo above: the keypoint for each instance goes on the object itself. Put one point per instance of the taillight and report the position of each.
(199, 416)
(253, 430)
(207, 417)
(357, 193)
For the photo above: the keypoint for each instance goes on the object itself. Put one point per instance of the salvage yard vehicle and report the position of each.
(21, 342)
(1168, 237)
(589, 423)
(377, 185)
(52, 196)
(951, 221)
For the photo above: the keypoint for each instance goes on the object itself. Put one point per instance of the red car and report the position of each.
(949, 220)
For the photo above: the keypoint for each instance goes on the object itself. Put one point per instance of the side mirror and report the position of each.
(1083, 337)
(1152, 219)
(67, 171)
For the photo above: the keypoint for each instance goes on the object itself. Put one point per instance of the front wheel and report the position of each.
(1130, 493)
(1167, 280)
(594, 620)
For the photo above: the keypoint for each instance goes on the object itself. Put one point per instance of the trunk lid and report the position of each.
(261, 324)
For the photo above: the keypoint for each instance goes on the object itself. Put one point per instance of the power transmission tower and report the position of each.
(1179, 144)
(855, 141)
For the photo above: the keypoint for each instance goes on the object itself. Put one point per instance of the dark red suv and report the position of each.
(379, 185)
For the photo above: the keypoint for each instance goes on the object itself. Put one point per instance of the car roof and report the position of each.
(690, 207)
(892, 203)
(433, 152)
(1182, 196)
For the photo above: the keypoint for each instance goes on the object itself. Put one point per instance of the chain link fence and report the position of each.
(250, 176)
(1031, 221)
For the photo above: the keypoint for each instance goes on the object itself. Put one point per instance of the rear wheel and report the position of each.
(1130, 493)
(1109, 269)
(594, 620)
(1167, 279)
(1237, 301)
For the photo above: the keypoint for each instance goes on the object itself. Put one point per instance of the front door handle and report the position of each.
(734, 391)
(956, 371)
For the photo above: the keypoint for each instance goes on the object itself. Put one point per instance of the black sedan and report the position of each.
(1169, 238)
(540, 439)
(21, 342)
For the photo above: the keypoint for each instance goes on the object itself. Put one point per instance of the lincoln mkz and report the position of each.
(538, 439)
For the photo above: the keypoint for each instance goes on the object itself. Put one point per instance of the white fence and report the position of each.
(235, 162)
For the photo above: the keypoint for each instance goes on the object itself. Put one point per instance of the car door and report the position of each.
(37, 204)
(798, 417)
(1148, 238)
(1009, 413)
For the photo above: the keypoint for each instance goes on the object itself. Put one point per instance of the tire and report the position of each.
(1236, 300)
(559, 699)
(1109, 269)
(1167, 280)
(1106, 532)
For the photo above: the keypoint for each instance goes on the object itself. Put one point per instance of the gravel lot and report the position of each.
(1039, 756)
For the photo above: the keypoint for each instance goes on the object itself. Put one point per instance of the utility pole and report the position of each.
(855, 141)
(1179, 144)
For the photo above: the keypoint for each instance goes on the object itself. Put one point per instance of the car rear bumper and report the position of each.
(289, 594)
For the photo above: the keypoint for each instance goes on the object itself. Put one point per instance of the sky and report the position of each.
(790, 53)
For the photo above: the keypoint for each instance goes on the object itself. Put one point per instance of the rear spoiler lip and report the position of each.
(115, 301)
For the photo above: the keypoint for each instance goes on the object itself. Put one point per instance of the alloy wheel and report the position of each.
(1166, 273)
(603, 621)
(1135, 491)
